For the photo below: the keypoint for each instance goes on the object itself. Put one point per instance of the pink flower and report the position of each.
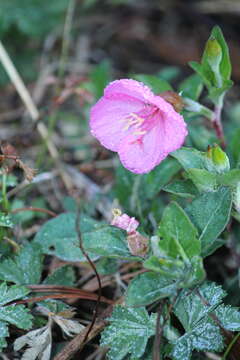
(142, 127)
(123, 221)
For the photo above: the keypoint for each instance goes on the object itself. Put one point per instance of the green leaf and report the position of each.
(58, 237)
(62, 276)
(128, 332)
(107, 266)
(24, 268)
(157, 84)
(225, 65)
(5, 220)
(160, 176)
(190, 158)
(8, 294)
(210, 213)
(191, 87)
(177, 253)
(179, 235)
(203, 179)
(201, 332)
(146, 288)
(231, 178)
(183, 188)
(228, 317)
(100, 77)
(4, 333)
(204, 72)
(17, 315)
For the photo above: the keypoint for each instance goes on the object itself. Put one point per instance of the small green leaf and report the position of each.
(210, 213)
(183, 188)
(17, 315)
(228, 317)
(231, 178)
(100, 78)
(160, 176)
(8, 294)
(107, 266)
(146, 288)
(190, 158)
(107, 241)
(24, 268)
(62, 276)
(128, 332)
(191, 87)
(203, 179)
(157, 84)
(5, 220)
(225, 66)
(179, 235)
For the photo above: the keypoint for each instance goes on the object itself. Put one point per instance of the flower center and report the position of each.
(142, 121)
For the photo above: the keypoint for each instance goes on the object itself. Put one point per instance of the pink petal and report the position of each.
(125, 222)
(141, 156)
(107, 119)
(132, 88)
(173, 125)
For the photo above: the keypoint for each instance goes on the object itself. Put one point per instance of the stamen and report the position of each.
(143, 132)
(132, 119)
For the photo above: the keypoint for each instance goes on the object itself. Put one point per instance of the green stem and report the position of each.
(4, 192)
(230, 346)
(61, 71)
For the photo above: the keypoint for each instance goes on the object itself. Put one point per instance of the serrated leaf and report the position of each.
(3, 334)
(5, 220)
(8, 294)
(128, 332)
(146, 288)
(202, 332)
(210, 213)
(62, 276)
(24, 268)
(17, 315)
(228, 317)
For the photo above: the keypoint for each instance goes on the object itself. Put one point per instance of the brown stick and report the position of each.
(36, 209)
(78, 342)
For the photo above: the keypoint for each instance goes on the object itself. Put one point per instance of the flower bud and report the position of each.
(218, 159)
(213, 52)
(137, 244)
(174, 99)
(123, 221)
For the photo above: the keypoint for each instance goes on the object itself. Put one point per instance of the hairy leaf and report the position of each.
(128, 332)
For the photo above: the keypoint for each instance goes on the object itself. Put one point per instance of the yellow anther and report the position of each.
(139, 132)
(116, 212)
